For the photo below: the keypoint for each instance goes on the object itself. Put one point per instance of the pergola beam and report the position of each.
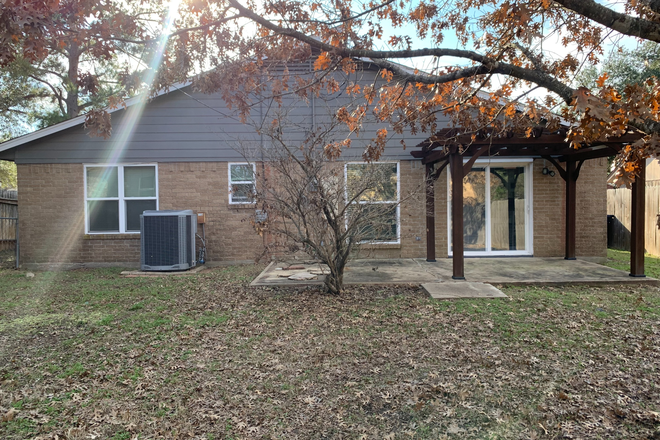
(559, 152)
(541, 143)
(590, 154)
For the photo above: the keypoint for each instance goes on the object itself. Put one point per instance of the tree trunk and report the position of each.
(72, 109)
(334, 283)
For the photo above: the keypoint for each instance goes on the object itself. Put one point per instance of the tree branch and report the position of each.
(535, 60)
(344, 20)
(488, 65)
(57, 93)
(52, 72)
(654, 5)
(173, 34)
(357, 53)
(493, 67)
(623, 23)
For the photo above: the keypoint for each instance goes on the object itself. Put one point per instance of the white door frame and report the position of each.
(529, 217)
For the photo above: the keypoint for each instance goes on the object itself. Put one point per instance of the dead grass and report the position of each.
(88, 354)
(7, 259)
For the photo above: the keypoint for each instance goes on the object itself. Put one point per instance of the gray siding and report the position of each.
(186, 126)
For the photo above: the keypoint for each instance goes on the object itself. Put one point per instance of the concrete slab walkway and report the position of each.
(141, 273)
(462, 289)
(512, 271)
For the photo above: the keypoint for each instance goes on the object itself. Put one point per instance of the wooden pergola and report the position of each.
(449, 147)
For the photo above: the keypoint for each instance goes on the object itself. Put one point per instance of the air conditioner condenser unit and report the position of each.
(167, 240)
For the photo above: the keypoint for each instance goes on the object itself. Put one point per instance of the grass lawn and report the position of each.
(621, 260)
(89, 354)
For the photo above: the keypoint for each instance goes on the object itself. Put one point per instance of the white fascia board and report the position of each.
(17, 142)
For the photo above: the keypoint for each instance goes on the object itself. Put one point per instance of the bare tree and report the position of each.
(310, 201)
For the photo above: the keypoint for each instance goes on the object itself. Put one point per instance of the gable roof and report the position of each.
(56, 128)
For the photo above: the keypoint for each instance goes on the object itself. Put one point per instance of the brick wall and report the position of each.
(413, 209)
(550, 211)
(591, 225)
(50, 207)
(441, 212)
(203, 187)
(412, 214)
(52, 220)
(51, 214)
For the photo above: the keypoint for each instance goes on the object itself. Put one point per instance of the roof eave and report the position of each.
(69, 123)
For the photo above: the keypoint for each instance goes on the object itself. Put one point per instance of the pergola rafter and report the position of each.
(449, 147)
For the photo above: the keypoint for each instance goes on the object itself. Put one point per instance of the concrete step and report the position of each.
(462, 289)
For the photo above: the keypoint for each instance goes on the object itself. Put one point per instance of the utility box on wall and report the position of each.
(167, 240)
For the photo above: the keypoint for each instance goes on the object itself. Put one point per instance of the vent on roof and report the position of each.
(167, 240)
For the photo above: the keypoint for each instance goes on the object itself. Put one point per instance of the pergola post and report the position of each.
(637, 246)
(458, 257)
(571, 214)
(430, 213)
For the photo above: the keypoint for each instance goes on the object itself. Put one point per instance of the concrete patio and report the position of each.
(510, 271)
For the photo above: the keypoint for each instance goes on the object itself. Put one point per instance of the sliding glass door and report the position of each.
(497, 215)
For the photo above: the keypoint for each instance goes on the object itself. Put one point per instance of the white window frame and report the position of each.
(121, 199)
(397, 202)
(241, 182)
(528, 163)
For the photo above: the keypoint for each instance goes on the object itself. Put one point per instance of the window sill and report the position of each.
(242, 206)
(131, 236)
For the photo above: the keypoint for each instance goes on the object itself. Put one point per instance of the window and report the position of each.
(115, 196)
(241, 183)
(378, 187)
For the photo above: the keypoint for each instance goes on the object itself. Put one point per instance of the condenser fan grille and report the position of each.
(168, 240)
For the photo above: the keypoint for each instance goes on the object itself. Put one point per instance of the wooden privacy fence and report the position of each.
(619, 218)
(499, 220)
(9, 221)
